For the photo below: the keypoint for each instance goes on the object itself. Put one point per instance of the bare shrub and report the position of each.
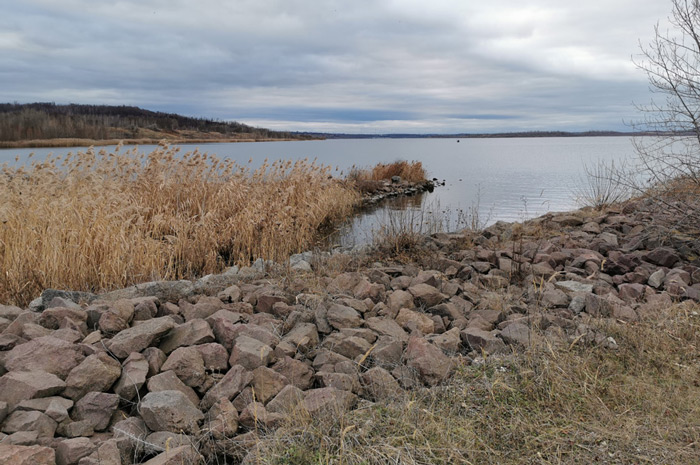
(601, 186)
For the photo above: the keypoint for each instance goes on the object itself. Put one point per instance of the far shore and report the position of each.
(72, 142)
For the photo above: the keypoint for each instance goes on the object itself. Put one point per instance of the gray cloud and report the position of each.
(379, 66)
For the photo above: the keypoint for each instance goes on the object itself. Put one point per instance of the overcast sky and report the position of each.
(376, 66)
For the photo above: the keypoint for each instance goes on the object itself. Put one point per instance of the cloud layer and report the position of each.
(364, 66)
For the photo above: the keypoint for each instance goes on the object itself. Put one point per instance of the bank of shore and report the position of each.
(570, 338)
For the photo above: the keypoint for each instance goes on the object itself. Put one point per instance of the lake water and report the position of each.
(509, 179)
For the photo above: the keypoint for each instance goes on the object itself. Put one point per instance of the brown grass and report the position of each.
(412, 171)
(550, 404)
(157, 139)
(98, 221)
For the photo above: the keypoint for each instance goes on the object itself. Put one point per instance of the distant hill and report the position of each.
(49, 124)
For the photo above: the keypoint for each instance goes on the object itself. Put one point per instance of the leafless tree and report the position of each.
(669, 159)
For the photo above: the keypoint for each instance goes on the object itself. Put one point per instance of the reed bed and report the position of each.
(411, 171)
(96, 220)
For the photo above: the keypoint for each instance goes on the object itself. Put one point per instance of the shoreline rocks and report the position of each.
(93, 378)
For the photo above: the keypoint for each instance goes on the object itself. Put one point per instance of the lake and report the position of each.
(510, 179)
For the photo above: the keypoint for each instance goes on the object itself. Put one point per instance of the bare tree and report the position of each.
(669, 160)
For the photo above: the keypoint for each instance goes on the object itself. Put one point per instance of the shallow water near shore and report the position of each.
(509, 179)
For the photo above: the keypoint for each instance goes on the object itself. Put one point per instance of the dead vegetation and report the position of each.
(549, 404)
(98, 221)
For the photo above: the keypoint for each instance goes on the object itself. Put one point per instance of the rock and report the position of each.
(106, 454)
(297, 372)
(47, 354)
(75, 429)
(567, 220)
(267, 383)
(168, 381)
(597, 305)
(165, 291)
(378, 384)
(193, 332)
(160, 441)
(177, 456)
(10, 312)
(303, 337)
(631, 292)
(96, 373)
(251, 353)
(170, 411)
(426, 295)
(222, 420)
(286, 401)
(573, 286)
(555, 298)
(448, 341)
(17, 386)
(214, 355)
(516, 334)
(412, 320)
(223, 325)
(431, 364)
(97, 408)
(134, 372)
(341, 316)
(70, 451)
(329, 400)
(384, 326)
(188, 365)
(656, 279)
(483, 341)
(155, 358)
(347, 346)
(52, 318)
(139, 337)
(342, 381)
(662, 256)
(230, 386)
(400, 299)
(30, 420)
(3, 411)
(255, 415)
(117, 316)
(230, 294)
(26, 455)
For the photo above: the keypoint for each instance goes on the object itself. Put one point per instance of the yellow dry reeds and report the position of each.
(97, 221)
(412, 171)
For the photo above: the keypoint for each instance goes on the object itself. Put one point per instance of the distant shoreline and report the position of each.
(74, 142)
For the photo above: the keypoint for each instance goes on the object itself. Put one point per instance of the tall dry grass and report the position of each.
(97, 221)
(411, 171)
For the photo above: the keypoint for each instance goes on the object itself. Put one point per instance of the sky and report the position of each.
(361, 66)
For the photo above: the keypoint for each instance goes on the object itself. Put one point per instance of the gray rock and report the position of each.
(251, 353)
(26, 455)
(656, 279)
(341, 316)
(70, 451)
(188, 365)
(230, 386)
(193, 332)
(574, 286)
(517, 334)
(485, 341)
(30, 420)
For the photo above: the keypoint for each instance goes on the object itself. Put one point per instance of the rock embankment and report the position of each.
(183, 372)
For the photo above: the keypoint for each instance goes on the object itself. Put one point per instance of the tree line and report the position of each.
(33, 121)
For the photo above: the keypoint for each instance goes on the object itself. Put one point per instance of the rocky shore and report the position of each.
(193, 372)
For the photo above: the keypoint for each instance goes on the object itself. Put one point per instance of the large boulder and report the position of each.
(139, 337)
(96, 373)
(47, 354)
(97, 408)
(27, 455)
(17, 386)
(428, 360)
(170, 411)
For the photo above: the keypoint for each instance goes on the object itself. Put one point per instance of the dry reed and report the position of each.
(408, 171)
(96, 221)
